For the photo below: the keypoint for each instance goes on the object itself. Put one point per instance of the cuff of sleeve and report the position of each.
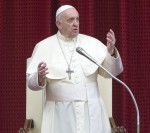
(33, 82)
(114, 55)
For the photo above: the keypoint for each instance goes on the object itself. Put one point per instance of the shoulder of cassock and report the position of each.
(48, 50)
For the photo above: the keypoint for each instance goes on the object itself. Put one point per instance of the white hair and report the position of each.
(59, 18)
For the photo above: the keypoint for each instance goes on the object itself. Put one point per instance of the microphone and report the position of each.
(85, 54)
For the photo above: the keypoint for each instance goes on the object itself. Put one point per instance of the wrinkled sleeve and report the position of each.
(32, 82)
(113, 65)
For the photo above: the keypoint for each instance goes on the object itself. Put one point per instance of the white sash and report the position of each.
(62, 92)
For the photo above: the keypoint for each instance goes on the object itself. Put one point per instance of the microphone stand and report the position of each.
(80, 51)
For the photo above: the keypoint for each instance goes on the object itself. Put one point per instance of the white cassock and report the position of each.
(72, 106)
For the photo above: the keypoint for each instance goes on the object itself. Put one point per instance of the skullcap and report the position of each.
(63, 8)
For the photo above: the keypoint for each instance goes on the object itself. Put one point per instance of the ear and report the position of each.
(58, 24)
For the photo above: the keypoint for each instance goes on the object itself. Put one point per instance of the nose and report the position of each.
(76, 22)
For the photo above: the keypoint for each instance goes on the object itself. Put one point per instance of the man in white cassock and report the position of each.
(73, 103)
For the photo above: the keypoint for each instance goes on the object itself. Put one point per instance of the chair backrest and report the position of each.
(105, 86)
(34, 106)
(35, 101)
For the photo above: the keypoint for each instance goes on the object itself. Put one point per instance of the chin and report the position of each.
(75, 35)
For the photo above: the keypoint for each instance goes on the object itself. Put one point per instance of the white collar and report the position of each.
(60, 36)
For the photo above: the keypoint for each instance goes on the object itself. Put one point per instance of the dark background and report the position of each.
(24, 23)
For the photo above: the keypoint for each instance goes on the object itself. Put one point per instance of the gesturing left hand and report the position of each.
(111, 40)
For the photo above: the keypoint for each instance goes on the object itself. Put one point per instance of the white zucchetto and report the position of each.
(63, 8)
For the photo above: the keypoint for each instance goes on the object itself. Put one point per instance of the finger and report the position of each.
(42, 66)
(109, 40)
(111, 36)
(39, 65)
(43, 70)
(44, 74)
(113, 40)
(112, 32)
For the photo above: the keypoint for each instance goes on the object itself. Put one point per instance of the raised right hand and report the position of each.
(42, 71)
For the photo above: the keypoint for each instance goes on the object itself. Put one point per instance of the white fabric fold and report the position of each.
(72, 92)
(54, 58)
(81, 93)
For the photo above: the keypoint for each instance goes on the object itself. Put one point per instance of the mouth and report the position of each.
(75, 30)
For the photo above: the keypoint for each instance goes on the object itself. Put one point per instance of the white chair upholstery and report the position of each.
(34, 106)
(35, 101)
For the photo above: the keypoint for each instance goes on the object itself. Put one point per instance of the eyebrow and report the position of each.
(73, 18)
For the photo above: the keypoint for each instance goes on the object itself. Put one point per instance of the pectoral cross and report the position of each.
(69, 71)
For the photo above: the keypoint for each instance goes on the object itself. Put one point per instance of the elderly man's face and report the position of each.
(69, 24)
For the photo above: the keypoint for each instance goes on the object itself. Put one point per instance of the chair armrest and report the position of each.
(116, 129)
(28, 125)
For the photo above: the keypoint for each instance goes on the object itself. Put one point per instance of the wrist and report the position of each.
(113, 53)
(41, 81)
